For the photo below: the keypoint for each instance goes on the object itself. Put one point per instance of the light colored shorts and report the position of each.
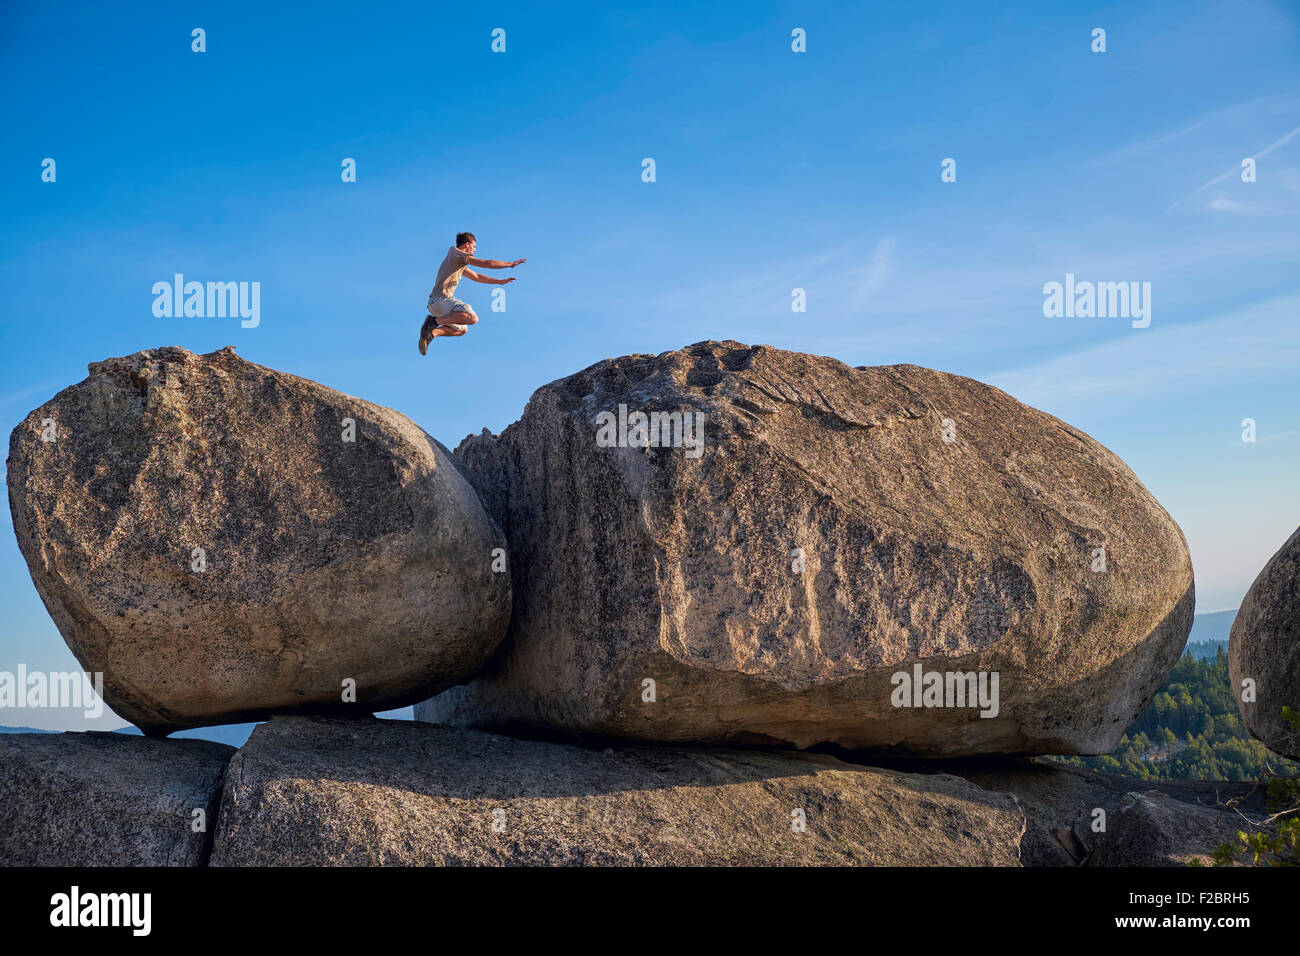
(440, 308)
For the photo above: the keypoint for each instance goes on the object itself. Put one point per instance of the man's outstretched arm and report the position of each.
(493, 263)
(488, 280)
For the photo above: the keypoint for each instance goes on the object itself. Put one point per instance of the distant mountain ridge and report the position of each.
(1209, 633)
(235, 735)
(1212, 627)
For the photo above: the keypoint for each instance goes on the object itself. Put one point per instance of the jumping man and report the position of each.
(447, 314)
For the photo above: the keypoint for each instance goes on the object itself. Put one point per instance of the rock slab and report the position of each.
(1078, 817)
(834, 528)
(103, 799)
(319, 791)
(1153, 829)
(224, 541)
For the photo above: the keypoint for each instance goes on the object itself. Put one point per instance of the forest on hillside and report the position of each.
(1190, 730)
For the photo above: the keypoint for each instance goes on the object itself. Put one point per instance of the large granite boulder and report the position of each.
(98, 799)
(775, 572)
(1264, 648)
(312, 791)
(224, 541)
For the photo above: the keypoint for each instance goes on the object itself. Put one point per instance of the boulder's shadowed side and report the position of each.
(1264, 647)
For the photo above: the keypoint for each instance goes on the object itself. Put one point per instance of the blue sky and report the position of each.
(775, 170)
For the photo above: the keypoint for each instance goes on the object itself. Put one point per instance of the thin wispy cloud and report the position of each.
(1259, 439)
(1237, 169)
(1137, 149)
(1273, 104)
(1224, 204)
(874, 276)
(19, 395)
(1255, 342)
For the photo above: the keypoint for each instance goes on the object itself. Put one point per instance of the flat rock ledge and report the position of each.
(320, 791)
(348, 791)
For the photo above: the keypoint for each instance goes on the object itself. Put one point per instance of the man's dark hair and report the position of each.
(463, 237)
